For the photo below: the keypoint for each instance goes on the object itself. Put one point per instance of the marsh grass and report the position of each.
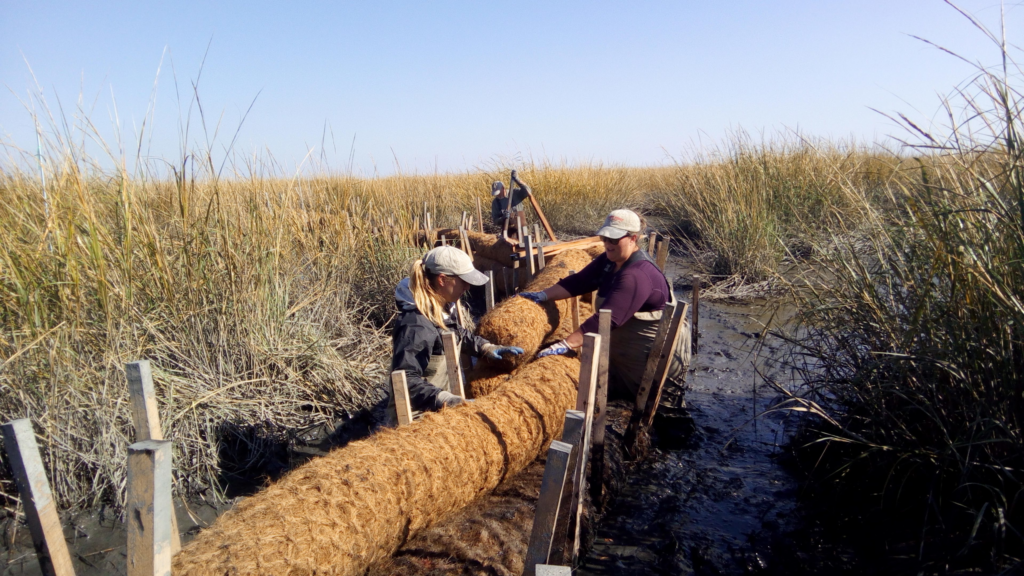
(912, 336)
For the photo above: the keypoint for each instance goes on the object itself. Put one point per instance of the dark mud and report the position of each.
(717, 495)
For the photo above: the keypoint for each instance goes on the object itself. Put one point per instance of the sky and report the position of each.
(386, 86)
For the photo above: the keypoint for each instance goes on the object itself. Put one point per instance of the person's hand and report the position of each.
(560, 348)
(447, 399)
(495, 352)
(538, 297)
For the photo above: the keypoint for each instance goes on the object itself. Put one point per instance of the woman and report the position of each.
(427, 301)
(628, 283)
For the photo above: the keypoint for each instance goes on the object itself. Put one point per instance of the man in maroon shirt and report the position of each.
(628, 283)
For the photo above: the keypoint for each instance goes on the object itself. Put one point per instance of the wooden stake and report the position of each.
(462, 223)
(451, 359)
(589, 360)
(531, 268)
(556, 471)
(515, 278)
(469, 223)
(536, 233)
(540, 258)
(572, 433)
(663, 255)
(36, 498)
(600, 414)
(653, 357)
(480, 215)
(149, 508)
(400, 390)
(694, 331)
(652, 244)
(146, 419)
(520, 224)
(464, 240)
(667, 356)
(489, 291)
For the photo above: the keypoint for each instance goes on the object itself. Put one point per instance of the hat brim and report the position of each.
(495, 192)
(613, 233)
(475, 277)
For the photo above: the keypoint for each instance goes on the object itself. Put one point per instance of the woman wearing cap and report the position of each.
(628, 283)
(427, 301)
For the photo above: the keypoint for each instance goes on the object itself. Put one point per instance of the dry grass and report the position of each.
(362, 501)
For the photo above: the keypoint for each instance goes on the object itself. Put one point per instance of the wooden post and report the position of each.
(667, 356)
(146, 419)
(694, 331)
(519, 224)
(515, 277)
(652, 244)
(540, 258)
(572, 433)
(549, 570)
(589, 359)
(462, 223)
(531, 264)
(480, 215)
(593, 299)
(36, 498)
(469, 223)
(464, 240)
(575, 313)
(536, 233)
(149, 508)
(663, 255)
(556, 471)
(600, 415)
(489, 291)
(451, 359)
(400, 390)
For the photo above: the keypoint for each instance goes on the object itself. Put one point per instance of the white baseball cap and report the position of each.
(496, 187)
(451, 261)
(619, 223)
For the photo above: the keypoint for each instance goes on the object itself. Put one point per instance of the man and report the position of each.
(500, 209)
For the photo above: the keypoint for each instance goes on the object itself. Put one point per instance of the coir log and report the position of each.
(340, 513)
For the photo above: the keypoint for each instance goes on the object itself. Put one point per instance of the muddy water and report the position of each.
(719, 501)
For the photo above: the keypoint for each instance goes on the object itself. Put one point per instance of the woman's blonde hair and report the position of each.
(428, 301)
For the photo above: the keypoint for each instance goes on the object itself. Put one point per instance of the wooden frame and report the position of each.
(489, 291)
(36, 498)
(573, 432)
(585, 400)
(694, 331)
(600, 411)
(664, 363)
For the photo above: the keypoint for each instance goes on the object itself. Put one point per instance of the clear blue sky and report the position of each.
(455, 85)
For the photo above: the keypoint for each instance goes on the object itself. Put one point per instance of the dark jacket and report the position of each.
(639, 286)
(415, 339)
(499, 206)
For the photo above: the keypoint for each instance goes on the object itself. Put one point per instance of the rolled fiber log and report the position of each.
(483, 379)
(490, 536)
(521, 322)
(339, 513)
(491, 246)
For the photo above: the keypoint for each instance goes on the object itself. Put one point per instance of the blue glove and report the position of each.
(537, 297)
(495, 352)
(560, 348)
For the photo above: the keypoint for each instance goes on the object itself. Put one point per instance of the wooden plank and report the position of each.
(37, 500)
(653, 357)
(462, 223)
(589, 360)
(663, 255)
(600, 415)
(556, 470)
(489, 291)
(572, 433)
(540, 214)
(549, 570)
(451, 359)
(540, 258)
(480, 214)
(515, 278)
(652, 244)
(574, 307)
(555, 249)
(400, 390)
(149, 508)
(464, 240)
(536, 234)
(667, 356)
(695, 332)
(146, 419)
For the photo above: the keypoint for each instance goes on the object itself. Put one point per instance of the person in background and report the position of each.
(630, 284)
(500, 209)
(427, 301)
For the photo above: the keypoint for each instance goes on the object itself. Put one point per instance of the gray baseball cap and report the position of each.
(496, 187)
(451, 261)
(620, 223)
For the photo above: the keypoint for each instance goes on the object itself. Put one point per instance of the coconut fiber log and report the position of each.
(492, 247)
(340, 513)
(521, 322)
(490, 536)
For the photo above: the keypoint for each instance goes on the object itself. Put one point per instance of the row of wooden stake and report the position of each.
(152, 528)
